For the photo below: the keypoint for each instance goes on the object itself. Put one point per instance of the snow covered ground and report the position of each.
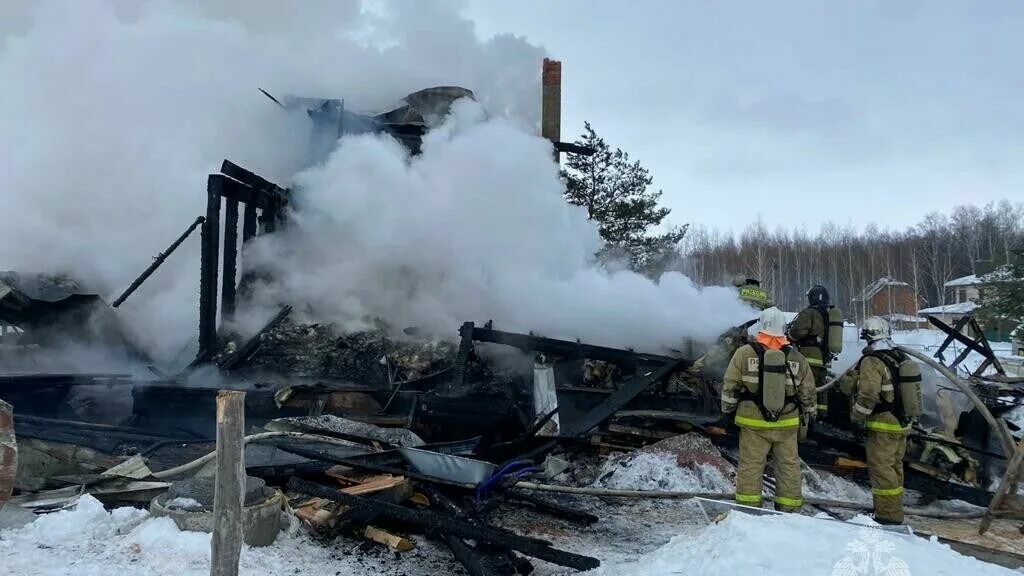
(788, 545)
(640, 539)
(89, 541)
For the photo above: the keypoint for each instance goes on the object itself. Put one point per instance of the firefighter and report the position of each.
(750, 291)
(877, 386)
(768, 392)
(818, 333)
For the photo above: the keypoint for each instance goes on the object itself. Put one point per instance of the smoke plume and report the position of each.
(114, 112)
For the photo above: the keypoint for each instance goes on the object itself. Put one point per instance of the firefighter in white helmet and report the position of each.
(768, 390)
(885, 390)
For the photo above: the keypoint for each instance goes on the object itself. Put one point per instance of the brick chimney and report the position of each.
(551, 101)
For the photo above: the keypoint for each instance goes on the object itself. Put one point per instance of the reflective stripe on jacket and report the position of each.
(741, 377)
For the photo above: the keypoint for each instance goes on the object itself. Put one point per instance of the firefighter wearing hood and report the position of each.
(769, 393)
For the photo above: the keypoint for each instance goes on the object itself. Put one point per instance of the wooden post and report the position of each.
(8, 452)
(228, 285)
(226, 544)
(209, 271)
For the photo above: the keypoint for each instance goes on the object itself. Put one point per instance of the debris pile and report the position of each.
(393, 441)
(685, 463)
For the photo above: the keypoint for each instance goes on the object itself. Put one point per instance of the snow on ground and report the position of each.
(659, 471)
(828, 486)
(789, 544)
(89, 541)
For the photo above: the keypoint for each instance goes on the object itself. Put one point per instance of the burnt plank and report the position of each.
(438, 524)
(230, 272)
(565, 348)
(627, 391)
(209, 267)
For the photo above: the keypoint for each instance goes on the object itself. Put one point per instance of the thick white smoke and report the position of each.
(475, 228)
(114, 111)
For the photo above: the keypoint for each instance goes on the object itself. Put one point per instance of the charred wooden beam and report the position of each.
(572, 148)
(462, 357)
(277, 194)
(627, 391)
(554, 508)
(979, 344)
(476, 562)
(249, 224)
(438, 524)
(245, 352)
(209, 267)
(160, 258)
(230, 273)
(564, 348)
(232, 189)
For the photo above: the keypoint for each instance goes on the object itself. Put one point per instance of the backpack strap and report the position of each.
(892, 360)
(757, 397)
(826, 354)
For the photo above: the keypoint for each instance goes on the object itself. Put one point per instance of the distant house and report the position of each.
(965, 292)
(891, 299)
(965, 288)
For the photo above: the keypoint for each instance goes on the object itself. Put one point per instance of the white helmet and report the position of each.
(876, 328)
(772, 322)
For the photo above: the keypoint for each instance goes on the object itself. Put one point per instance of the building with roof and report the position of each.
(892, 299)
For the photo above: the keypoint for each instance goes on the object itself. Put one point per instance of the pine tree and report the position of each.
(1003, 296)
(614, 190)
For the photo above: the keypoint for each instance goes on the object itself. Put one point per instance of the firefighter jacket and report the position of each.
(740, 390)
(807, 331)
(755, 296)
(871, 390)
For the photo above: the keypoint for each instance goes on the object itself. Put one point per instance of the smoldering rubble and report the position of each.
(429, 383)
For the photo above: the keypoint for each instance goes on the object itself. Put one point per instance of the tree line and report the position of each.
(969, 240)
(615, 191)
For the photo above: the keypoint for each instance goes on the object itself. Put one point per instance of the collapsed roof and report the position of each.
(407, 123)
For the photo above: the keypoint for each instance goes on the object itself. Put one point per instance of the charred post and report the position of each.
(210, 262)
(249, 224)
(230, 259)
(157, 262)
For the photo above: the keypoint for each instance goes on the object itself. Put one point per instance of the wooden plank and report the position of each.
(436, 523)
(223, 186)
(208, 272)
(248, 224)
(226, 543)
(230, 270)
(317, 513)
(376, 485)
(1001, 545)
(393, 541)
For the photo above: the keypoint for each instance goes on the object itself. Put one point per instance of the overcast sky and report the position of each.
(797, 112)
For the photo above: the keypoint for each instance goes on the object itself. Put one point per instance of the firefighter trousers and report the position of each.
(885, 467)
(755, 445)
(820, 374)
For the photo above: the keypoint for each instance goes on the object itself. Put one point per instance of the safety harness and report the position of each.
(892, 360)
(791, 400)
(819, 342)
